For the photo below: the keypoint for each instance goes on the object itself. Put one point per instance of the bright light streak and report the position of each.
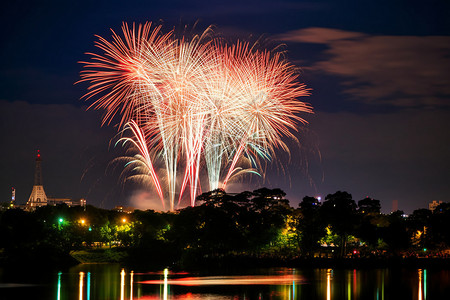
(349, 283)
(166, 273)
(419, 292)
(229, 280)
(122, 284)
(329, 284)
(425, 284)
(58, 295)
(80, 289)
(294, 295)
(88, 286)
(142, 161)
(131, 285)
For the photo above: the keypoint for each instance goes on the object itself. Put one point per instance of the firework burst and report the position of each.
(195, 102)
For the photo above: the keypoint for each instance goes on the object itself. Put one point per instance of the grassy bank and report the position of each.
(108, 255)
(191, 262)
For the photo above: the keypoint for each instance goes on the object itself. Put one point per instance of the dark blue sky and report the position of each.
(379, 71)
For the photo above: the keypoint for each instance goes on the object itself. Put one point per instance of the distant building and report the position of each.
(432, 205)
(124, 209)
(68, 201)
(38, 197)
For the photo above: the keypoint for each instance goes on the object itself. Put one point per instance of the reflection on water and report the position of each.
(425, 283)
(131, 285)
(122, 284)
(113, 282)
(422, 286)
(287, 284)
(80, 290)
(88, 289)
(166, 274)
(226, 280)
(58, 293)
(284, 285)
(329, 284)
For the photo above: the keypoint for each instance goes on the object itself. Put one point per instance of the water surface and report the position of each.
(110, 281)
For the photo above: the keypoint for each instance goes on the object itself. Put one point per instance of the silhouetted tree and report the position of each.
(396, 233)
(369, 206)
(368, 227)
(310, 225)
(440, 224)
(339, 211)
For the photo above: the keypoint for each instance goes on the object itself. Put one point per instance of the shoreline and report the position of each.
(225, 262)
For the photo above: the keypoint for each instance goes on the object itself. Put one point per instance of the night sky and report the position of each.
(379, 73)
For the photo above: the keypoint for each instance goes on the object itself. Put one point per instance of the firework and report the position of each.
(140, 163)
(194, 102)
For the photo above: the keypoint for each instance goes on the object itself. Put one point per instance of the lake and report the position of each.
(110, 281)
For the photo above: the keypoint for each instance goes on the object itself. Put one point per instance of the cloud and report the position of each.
(403, 71)
(319, 35)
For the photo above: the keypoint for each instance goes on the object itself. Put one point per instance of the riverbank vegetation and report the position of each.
(258, 227)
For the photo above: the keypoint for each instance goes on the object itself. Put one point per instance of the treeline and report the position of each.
(254, 225)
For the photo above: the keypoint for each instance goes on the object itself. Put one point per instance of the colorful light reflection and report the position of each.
(165, 290)
(329, 284)
(228, 280)
(122, 284)
(88, 286)
(80, 290)
(131, 285)
(425, 284)
(422, 287)
(58, 294)
(286, 284)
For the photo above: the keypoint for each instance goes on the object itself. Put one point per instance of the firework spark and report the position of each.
(194, 102)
